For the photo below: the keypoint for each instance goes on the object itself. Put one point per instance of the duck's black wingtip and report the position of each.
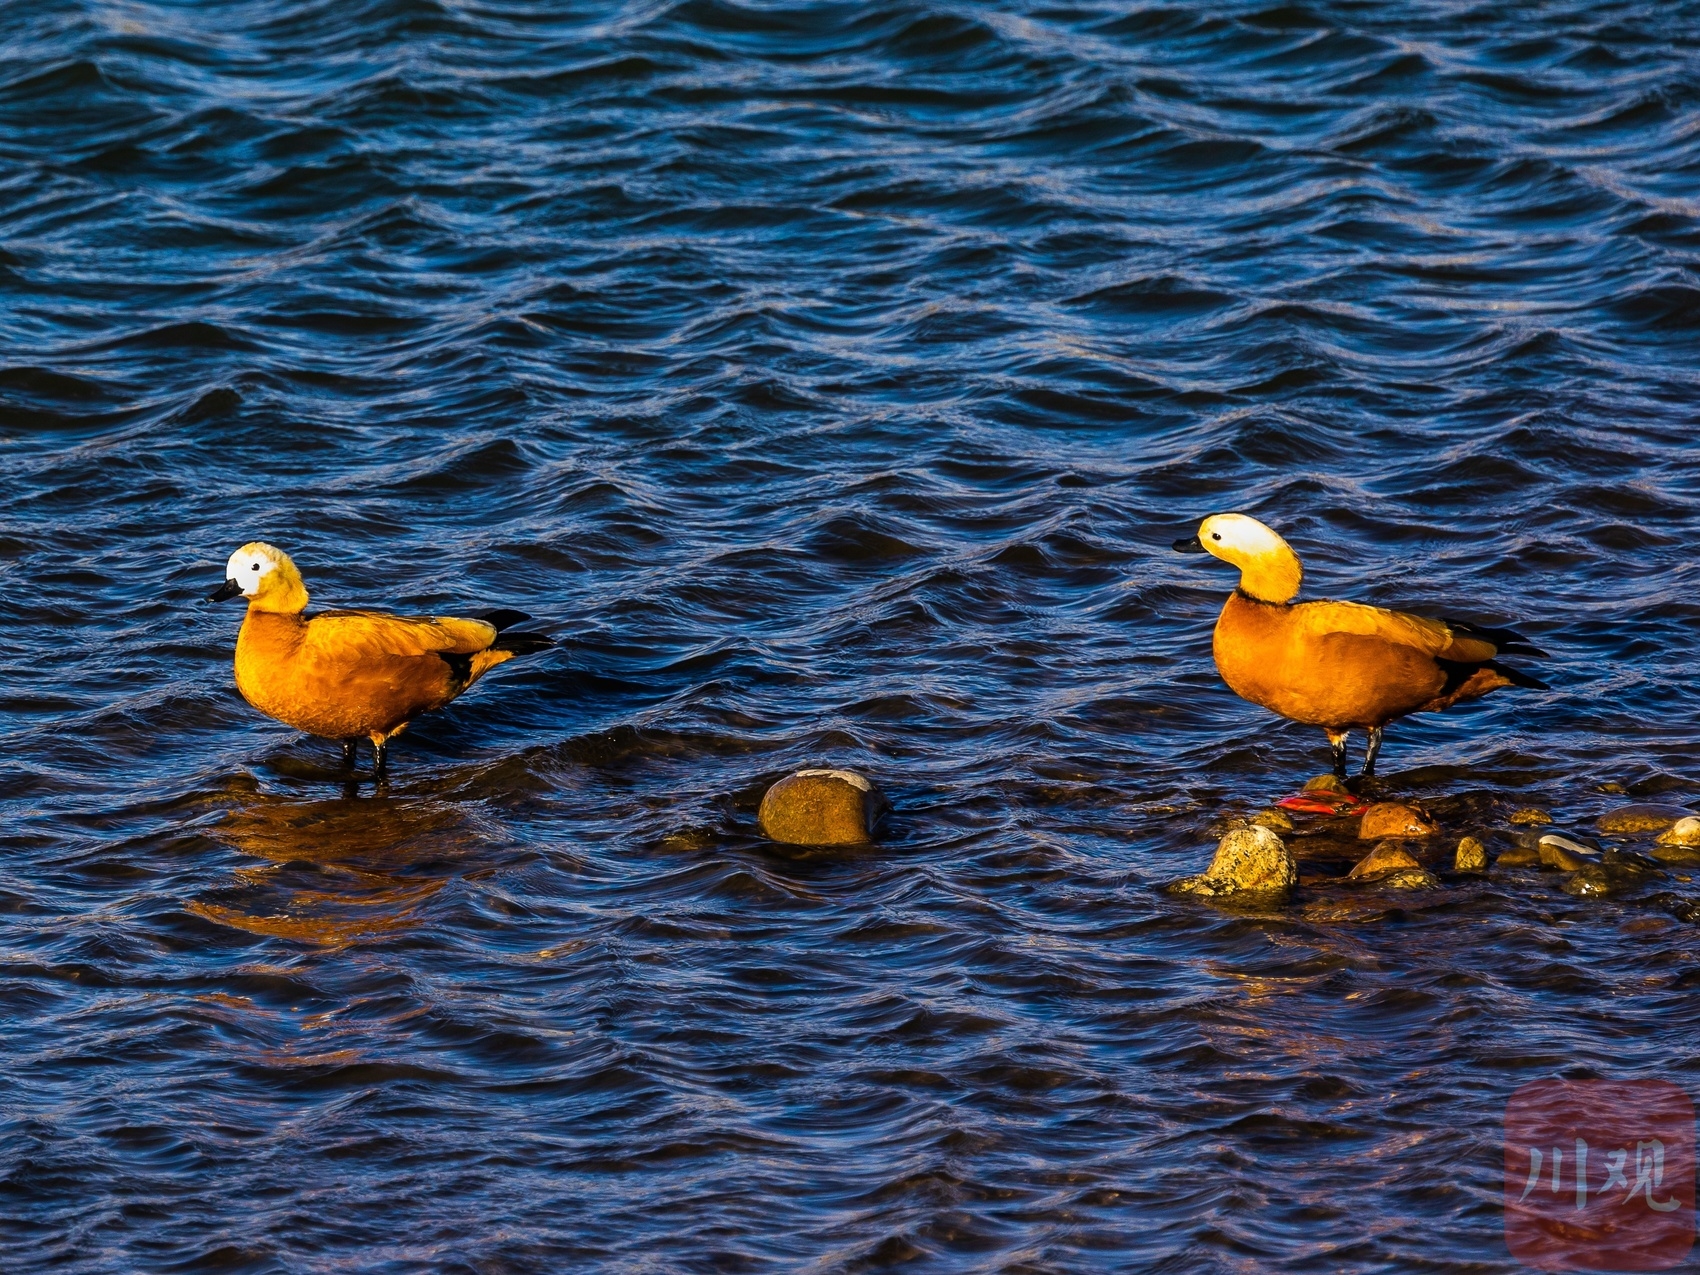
(1509, 641)
(522, 643)
(504, 619)
(1517, 677)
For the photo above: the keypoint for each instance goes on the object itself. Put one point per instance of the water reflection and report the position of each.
(340, 870)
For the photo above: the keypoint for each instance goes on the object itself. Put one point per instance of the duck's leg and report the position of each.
(380, 757)
(1337, 745)
(1373, 749)
(348, 746)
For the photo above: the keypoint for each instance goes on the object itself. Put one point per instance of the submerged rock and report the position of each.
(1681, 856)
(1248, 861)
(1471, 856)
(1530, 815)
(1564, 854)
(1685, 832)
(1328, 783)
(1518, 856)
(1394, 819)
(822, 808)
(1588, 883)
(1683, 909)
(1641, 818)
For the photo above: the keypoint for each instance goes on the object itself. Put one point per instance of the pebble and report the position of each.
(1274, 819)
(1641, 818)
(1394, 819)
(1685, 832)
(1409, 879)
(1564, 854)
(1518, 856)
(1328, 783)
(1389, 856)
(1248, 861)
(1391, 867)
(1528, 814)
(1471, 857)
(822, 808)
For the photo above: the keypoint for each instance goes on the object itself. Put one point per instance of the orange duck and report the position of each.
(348, 674)
(1340, 665)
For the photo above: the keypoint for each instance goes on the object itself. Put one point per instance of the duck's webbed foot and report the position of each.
(1373, 750)
(1337, 746)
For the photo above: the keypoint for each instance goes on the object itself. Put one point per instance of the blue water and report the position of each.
(830, 380)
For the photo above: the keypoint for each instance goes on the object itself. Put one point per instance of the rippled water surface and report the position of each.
(830, 380)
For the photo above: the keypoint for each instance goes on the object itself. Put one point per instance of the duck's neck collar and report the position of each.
(286, 597)
(1273, 576)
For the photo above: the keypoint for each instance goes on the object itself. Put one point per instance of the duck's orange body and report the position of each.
(1339, 665)
(348, 674)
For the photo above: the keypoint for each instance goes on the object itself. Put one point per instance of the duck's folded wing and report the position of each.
(372, 633)
(1431, 637)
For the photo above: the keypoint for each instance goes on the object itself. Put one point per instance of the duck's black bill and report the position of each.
(1189, 545)
(229, 589)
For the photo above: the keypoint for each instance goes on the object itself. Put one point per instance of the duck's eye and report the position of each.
(257, 565)
(1215, 535)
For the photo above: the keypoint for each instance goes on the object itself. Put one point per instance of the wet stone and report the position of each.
(1518, 856)
(1328, 783)
(1394, 819)
(1389, 856)
(1248, 861)
(1471, 856)
(1409, 879)
(1530, 815)
(1274, 819)
(1564, 854)
(1685, 832)
(822, 808)
(1640, 818)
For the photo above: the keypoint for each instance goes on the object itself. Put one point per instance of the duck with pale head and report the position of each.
(1340, 665)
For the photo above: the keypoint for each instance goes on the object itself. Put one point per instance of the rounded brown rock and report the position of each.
(1685, 832)
(1530, 815)
(1394, 819)
(1249, 860)
(822, 808)
(1641, 818)
(1389, 856)
(1471, 856)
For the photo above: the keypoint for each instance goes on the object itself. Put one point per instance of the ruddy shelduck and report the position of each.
(1340, 665)
(348, 674)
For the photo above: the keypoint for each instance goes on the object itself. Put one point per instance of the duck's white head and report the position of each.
(264, 575)
(1269, 569)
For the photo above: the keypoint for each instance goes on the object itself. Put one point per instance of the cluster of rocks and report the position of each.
(1256, 865)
